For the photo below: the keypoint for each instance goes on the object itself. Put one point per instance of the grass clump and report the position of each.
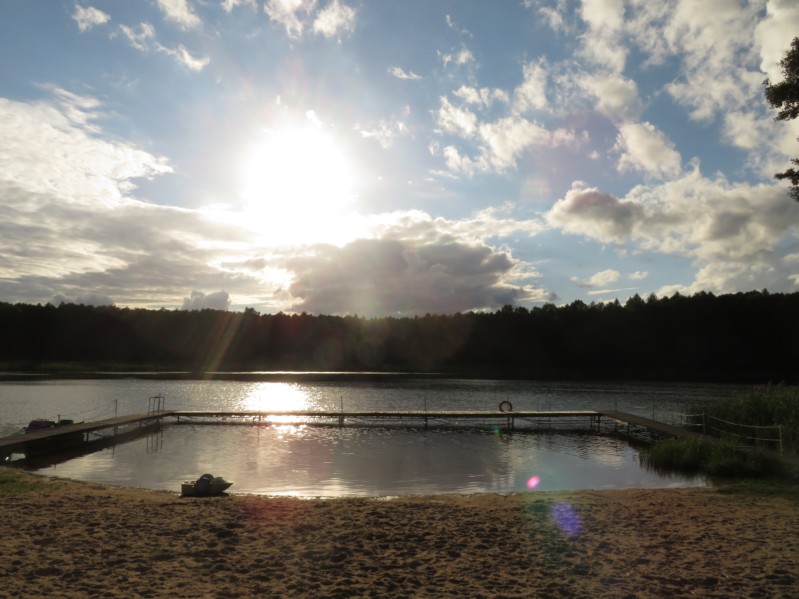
(763, 488)
(14, 482)
(712, 458)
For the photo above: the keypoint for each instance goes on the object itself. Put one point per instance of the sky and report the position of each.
(380, 158)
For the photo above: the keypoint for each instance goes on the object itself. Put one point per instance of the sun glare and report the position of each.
(277, 397)
(296, 181)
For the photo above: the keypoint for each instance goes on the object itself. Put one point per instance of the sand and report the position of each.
(70, 539)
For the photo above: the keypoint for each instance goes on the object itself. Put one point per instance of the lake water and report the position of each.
(331, 461)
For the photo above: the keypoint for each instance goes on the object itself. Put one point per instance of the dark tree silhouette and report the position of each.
(785, 97)
(738, 337)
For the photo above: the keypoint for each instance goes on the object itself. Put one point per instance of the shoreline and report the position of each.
(61, 372)
(76, 539)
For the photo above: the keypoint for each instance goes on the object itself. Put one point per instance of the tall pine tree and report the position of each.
(785, 97)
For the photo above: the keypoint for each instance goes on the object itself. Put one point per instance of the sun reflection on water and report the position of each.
(277, 397)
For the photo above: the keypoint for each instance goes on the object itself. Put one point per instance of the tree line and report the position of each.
(737, 337)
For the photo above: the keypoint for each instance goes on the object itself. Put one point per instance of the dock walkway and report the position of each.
(661, 428)
(507, 420)
(416, 417)
(16, 443)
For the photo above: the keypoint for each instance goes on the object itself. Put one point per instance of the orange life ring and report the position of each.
(505, 404)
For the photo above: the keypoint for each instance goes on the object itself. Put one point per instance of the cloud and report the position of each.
(494, 146)
(179, 12)
(297, 15)
(68, 223)
(229, 5)
(638, 275)
(715, 44)
(588, 212)
(602, 278)
(189, 61)
(456, 120)
(140, 39)
(140, 254)
(401, 74)
(60, 170)
(387, 130)
(461, 57)
(645, 149)
(735, 234)
(391, 276)
(289, 14)
(616, 96)
(774, 35)
(88, 17)
(497, 143)
(219, 300)
(531, 94)
(506, 139)
(482, 97)
(336, 18)
(144, 40)
(603, 43)
(54, 148)
(552, 15)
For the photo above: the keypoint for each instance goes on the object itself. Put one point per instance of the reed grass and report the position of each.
(728, 456)
(764, 406)
(713, 458)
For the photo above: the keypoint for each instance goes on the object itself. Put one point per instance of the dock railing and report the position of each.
(155, 404)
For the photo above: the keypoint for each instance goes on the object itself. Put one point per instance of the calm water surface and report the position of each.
(314, 461)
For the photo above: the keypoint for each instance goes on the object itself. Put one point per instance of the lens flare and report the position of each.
(566, 519)
(533, 482)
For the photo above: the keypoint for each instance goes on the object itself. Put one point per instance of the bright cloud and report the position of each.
(144, 39)
(229, 5)
(140, 37)
(532, 93)
(335, 19)
(616, 96)
(54, 149)
(289, 13)
(599, 279)
(401, 74)
(179, 12)
(645, 149)
(88, 17)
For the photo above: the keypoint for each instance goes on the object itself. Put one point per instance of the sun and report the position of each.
(296, 180)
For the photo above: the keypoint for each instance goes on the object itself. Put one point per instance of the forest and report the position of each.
(742, 337)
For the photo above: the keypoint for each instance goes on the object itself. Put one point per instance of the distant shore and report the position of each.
(71, 539)
(66, 372)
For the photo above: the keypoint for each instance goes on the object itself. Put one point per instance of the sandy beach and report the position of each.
(62, 538)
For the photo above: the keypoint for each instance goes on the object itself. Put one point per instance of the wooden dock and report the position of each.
(593, 420)
(652, 426)
(422, 418)
(81, 431)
